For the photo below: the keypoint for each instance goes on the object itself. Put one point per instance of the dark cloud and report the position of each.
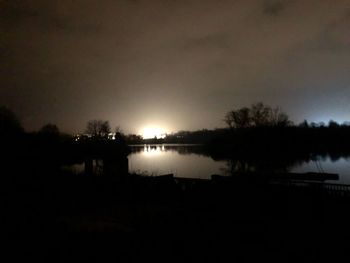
(336, 37)
(43, 17)
(274, 7)
(180, 64)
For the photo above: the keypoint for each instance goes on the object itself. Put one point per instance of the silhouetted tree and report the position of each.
(50, 129)
(304, 124)
(9, 123)
(321, 124)
(133, 139)
(256, 116)
(105, 129)
(260, 114)
(313, 125)
(238, 118)
(279, 118)
(119, 135)
(98, 128)
(333, 124)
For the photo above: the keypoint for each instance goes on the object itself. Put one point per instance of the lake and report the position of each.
(190, 161)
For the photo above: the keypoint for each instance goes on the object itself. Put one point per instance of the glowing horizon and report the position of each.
(152, 131)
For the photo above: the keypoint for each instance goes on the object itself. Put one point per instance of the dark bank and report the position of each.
(257, 210)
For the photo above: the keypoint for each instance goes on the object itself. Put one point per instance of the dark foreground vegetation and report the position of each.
(108, 215)
(71, 218)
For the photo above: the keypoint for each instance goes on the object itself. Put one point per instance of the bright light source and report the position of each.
(150, 132)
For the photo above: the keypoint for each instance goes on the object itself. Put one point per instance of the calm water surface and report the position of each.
(165, 159)
(185, 161)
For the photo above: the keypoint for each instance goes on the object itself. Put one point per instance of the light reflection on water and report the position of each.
(151, 151)
(159, 159)
(165, 159)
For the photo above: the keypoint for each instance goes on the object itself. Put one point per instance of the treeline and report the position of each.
(50, 147)
(258, 126)
(261, 129)
(314, 135)
(189, 137)
(264, 130)
(258, 115)
(293, 139)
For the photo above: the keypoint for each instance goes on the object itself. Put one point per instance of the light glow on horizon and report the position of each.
(150, 132)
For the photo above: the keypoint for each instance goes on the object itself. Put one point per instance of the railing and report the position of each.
(337, 189)
(331, 189)
(341, 190)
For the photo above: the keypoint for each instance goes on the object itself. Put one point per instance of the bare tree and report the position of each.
(257, 115)
(260, 114)
(105, 129)
(229, 119)
(119, 135)
(279, 118)
(333, 124)
(238, 118)
(98, 128)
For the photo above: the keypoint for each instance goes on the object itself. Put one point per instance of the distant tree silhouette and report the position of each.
(321, 124)
(257, 115)
(238, 118)
(9, 123)
(346, 124)
(133, 139)
(50, 129)
(304, 124)
(260, 114)
(119, 135)
(98, 128)
(333, 124)
(279, 118)
(314, 125)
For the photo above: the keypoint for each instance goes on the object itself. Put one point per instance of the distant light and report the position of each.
(111, 136)
(150, 132)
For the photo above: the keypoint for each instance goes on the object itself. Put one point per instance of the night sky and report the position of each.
(176, 64)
